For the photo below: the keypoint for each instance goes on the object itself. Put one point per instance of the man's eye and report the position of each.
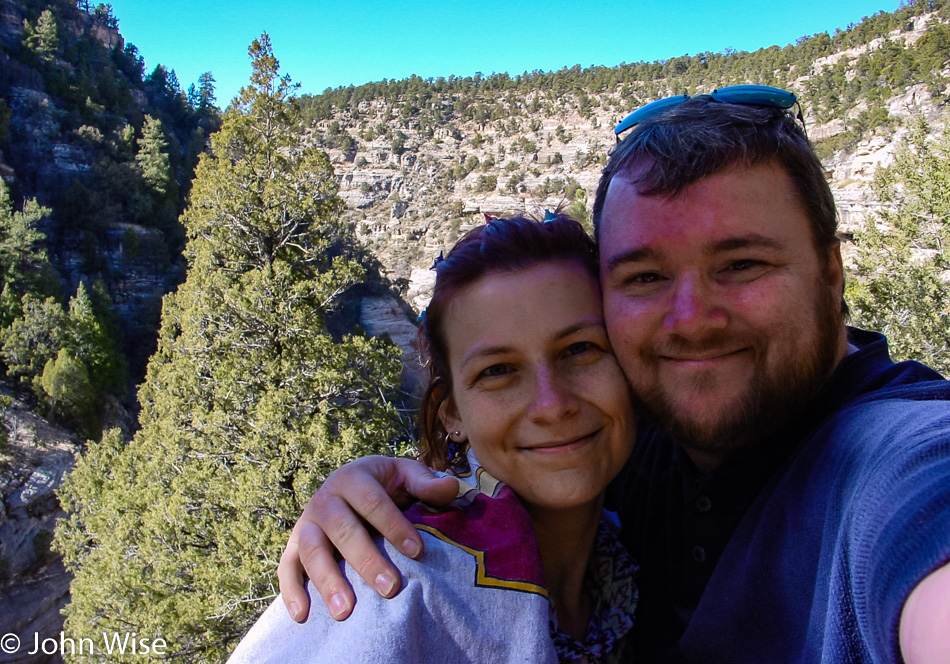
(644, 278)
(743, 264)
(745, 270)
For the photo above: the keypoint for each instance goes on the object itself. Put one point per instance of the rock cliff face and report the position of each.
(382, 315)
(34, 583)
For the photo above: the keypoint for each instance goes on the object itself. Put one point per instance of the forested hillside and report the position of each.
(271, 228)
(107, 152)
(417, 158)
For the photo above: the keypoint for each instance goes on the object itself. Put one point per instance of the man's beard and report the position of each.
(773, 397)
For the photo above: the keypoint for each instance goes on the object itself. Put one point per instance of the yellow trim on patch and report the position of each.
(487, 483)
(481, 576)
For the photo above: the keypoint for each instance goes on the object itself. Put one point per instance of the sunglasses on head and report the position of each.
(755, 95)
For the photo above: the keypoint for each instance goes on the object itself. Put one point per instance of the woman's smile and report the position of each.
(562, 446)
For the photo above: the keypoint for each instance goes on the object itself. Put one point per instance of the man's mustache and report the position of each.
(713, 345)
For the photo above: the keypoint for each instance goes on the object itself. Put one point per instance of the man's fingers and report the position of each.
(348, 534)
(290, 574)
(363, 489)
(316, 555)
(424, 485)
(401, 480)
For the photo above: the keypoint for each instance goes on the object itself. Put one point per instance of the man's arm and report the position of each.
(367, 488)
(925, 620)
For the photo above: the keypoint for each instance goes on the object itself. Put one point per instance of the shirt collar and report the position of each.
(610, 580)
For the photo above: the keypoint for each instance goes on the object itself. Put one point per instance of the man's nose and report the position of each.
(694, 309)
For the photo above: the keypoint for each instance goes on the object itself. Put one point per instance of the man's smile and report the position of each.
(701, 360)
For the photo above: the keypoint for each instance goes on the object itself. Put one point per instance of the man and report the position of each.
(788, 498)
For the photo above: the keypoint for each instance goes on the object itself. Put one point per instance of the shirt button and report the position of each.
(699, 554)
(703, 504)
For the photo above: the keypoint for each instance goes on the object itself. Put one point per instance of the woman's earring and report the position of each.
(456, 433)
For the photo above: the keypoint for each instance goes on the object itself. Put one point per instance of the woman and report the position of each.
(528, 409)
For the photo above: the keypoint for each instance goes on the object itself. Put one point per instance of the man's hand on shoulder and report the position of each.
(925, 620)
(333, 520)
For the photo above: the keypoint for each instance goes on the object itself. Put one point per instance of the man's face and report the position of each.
(720, 310)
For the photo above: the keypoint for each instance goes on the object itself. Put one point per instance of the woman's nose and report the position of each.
(553, 399)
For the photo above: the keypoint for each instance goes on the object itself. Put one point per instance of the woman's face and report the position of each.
(535, 387)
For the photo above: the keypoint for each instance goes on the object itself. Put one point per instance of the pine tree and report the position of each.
(159, 191)
(903, 265)
(47, 40)
(248, 404)
(42, 38)
(152, 158)
(6, 115)
(203, 100)
(24, 265)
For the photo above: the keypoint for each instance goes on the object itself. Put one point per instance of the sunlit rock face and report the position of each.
(33, 582)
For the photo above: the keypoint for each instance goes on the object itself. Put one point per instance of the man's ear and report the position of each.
(834, 272)
(835, 264)
(452, 421)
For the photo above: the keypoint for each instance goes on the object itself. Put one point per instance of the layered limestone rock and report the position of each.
(407, 214)
(383, 316)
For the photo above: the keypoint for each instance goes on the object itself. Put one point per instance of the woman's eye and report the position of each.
(496, 370)
(579, 347)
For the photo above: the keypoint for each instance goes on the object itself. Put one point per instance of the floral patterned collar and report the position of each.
(610, 578)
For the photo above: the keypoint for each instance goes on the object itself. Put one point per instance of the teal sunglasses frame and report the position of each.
(755, 95)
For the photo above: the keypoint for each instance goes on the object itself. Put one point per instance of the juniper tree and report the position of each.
(903, 264)
(33, 338)
(68, 392)
(10, 307)
(39, 331)
(249, 402)
(94, 341)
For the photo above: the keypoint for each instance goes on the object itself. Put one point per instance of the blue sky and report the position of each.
(324, 43)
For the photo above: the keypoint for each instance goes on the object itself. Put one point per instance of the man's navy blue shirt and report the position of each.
(803, 547)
